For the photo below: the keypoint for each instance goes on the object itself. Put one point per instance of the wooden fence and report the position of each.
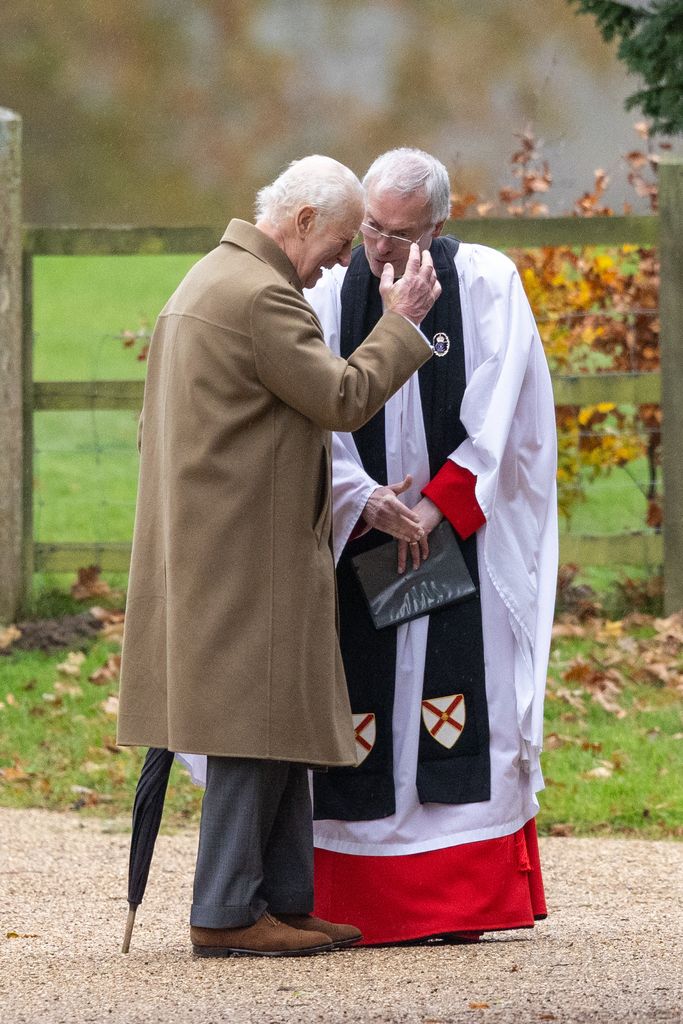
(21, 396)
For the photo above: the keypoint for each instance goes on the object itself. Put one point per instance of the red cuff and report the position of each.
(452, 491)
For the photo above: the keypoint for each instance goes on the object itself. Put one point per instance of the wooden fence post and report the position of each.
(11, 429)
(671, 312)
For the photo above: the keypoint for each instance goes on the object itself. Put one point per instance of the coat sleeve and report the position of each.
(294, 363)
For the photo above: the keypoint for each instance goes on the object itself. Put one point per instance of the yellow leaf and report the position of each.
(8, 636)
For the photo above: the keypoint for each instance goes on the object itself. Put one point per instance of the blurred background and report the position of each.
(176, 111)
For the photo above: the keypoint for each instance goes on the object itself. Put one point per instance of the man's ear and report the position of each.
(304, 220)
(438, 229)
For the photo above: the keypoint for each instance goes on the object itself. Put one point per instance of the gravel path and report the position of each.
(611, 950)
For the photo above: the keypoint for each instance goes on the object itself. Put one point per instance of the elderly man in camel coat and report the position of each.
(230, 645)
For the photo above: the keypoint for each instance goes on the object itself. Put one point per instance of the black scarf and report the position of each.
(455, 654)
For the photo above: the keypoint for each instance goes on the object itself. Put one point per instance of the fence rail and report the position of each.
(21, 396)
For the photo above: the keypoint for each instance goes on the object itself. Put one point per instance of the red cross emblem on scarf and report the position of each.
(444, 718)
(366, 732)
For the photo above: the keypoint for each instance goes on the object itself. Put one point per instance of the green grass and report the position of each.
(643, 794)
(86, 463)
(57, 740)
(49, 745)
(81, 303)
(85, 468)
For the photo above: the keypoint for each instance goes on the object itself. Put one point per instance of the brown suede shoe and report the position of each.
(267, 937)
(340, 934)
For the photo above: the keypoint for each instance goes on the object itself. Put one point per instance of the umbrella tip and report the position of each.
(129, 930)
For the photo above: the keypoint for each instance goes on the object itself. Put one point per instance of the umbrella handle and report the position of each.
(129, 930)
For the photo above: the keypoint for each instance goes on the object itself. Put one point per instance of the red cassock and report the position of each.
(466, 889)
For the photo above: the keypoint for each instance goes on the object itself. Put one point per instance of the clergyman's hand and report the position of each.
(429, 516)
(383, 511)
(416, 292)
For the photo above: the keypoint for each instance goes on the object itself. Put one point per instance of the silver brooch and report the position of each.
(441, 344)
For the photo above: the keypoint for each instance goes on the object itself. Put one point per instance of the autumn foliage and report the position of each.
(596, 310)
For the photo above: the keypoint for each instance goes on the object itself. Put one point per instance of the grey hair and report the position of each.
(317, 181)
(409, 170)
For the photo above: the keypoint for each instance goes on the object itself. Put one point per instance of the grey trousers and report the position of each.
(255, 843)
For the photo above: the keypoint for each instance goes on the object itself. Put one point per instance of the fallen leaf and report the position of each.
(562, 830)
(105, 615)
(14, 773)
(110, 706)
(69, 690)
(113, 630)
(479, 1006)
(8, 635)
(72, 665)
(20, 935)
(601, 771)
(110, 670)
(554, 741)
(572, 697)
(89, 584)
(610, 630)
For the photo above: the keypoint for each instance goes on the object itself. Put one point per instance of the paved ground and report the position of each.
(611, 950)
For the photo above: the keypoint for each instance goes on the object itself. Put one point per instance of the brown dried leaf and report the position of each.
(554, 741)
(72, 665)
(7, 636)
(579, 671)
(107, 672)
(562, 830)
(113, 630)
(655, 514)
(106, 615)
(572, 697)
(15, 773)
(89, 584)
(673, 626)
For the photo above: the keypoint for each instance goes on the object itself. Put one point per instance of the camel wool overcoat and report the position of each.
(230, 645)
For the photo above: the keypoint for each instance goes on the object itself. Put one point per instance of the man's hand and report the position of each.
(416, 292)
(383, 511)
(429, 516)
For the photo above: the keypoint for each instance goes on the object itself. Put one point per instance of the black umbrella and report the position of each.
(148, 806)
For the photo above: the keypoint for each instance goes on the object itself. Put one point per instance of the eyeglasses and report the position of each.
(370, 232)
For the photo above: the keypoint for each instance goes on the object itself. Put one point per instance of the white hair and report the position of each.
(317, 181)
(409, 170)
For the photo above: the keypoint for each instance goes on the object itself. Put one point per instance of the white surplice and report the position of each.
(508, 413)
(509, 416)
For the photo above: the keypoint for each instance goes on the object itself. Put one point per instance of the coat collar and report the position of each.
(246, 236)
